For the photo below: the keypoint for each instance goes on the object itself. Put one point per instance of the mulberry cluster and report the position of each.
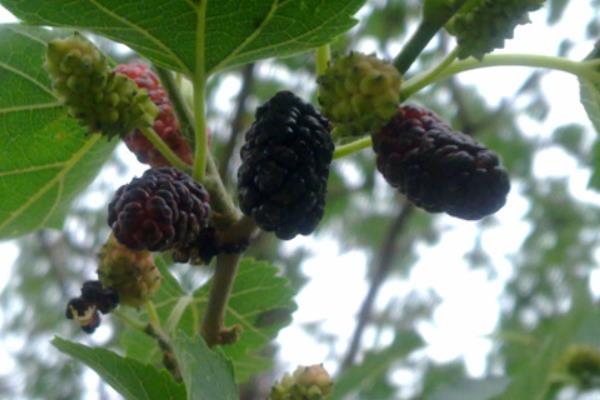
(162, 210)
(129, 273)
(482, 25)
(165, 124)
(306, 383)
(102, 100)
(86, 308)
(285, 166)
(359, 94)
(439, 169)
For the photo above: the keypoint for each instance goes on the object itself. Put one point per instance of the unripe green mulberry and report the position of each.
(482, 25)
(582, 362)
(306, 383)
(359, 93)
(102, 100)
(132, 274)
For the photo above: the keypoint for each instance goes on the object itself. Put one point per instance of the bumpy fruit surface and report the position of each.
(105, 299)
(285, 165)
(132, 274)
(482, 25)
(165, 124)
(582, 362)
(306, 383)
(162, 210)
(439, 169)
(102, 100)
(359, 93)
(84, 313)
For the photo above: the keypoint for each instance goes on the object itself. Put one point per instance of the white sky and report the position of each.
(460, 325)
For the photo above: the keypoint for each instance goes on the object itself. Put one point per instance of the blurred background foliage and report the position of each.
(545, 304)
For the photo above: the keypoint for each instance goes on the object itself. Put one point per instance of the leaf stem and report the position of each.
(201, 139)
(153, 316)
(129, 320)
(580, 69)
(184, 117)
(429, 75)
(352, 147)
(435, 16)
(323, 55)
(173, 159)
(177, 313)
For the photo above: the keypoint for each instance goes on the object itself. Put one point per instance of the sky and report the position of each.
(460, 326)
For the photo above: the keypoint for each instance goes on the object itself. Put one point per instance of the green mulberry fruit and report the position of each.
(306, 383)
(482, 25)
(102, 100)
(582, 362)
(132, 274)
(359, 94)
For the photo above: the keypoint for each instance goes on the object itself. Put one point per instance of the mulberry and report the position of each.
(105, 299)
(285, 166)
(306, 383)
(102, 100)
(84, 313)
(129, 273)
(359, 93)
(205, 247)
(482, 25)
(439, 169)
(162, 210)
(165, 124)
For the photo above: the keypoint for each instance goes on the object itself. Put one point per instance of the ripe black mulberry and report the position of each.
(285, 166)
(439, 169)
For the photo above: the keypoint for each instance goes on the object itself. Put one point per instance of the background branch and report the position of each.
(382, 268)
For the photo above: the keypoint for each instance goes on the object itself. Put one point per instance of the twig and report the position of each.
(237, 124)
(212, 324)
(382, 269)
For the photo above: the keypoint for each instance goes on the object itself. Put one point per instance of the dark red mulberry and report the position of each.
(439, 169)
(285, 166)
(165, 124)
(162, 210)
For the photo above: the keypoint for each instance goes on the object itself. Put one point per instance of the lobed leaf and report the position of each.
(132, 379)
(45, 157)
(207, 374)
(232, 32)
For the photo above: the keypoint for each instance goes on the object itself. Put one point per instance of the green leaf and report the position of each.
(207, 374)
(235, 32)
(132, 379)
(532, 381)
(45, 157)
(472, 389)
(363, 376)
(262, 303)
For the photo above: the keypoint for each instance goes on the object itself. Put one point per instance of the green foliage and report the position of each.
(37, 190)
(129, 377)
(472, 389)
(234, 32)
(207, 374)
(46, 159)
(366, 376)
(261, 303)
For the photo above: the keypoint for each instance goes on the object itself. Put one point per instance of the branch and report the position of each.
(237, 124)
(382, 268)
